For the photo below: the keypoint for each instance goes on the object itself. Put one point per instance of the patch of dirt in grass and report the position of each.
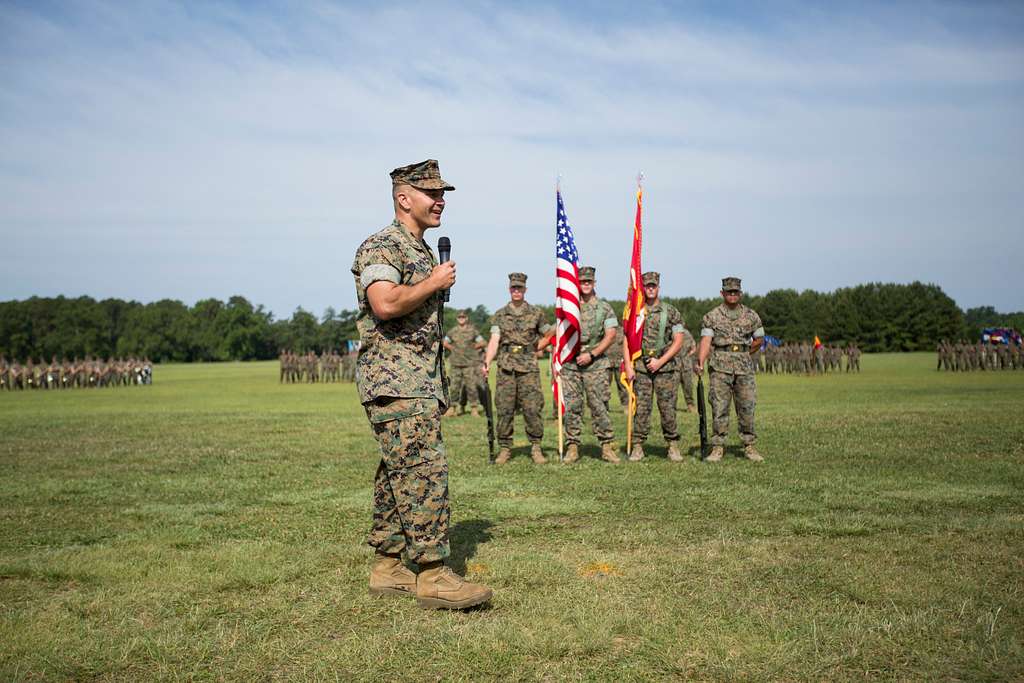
(477, 569)
(598, 570)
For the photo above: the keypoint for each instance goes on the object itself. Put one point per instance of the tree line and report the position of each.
(166, 330)
(878, 316)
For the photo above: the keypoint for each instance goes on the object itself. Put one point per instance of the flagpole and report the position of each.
(631, 409)
(557, 377)
(561, 451)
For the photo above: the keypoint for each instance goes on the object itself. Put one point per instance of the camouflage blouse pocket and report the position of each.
(417, 268)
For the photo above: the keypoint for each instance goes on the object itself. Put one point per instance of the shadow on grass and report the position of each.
(464, 538)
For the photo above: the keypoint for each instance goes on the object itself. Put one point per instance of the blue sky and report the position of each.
(164, 150)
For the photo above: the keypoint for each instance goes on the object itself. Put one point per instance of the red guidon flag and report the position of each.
(635, 313)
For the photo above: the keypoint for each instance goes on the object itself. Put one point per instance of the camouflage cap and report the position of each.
(517, 279)
(587, 274)
(463, 312)
(424, 176)
(730, 283)
(651, 278)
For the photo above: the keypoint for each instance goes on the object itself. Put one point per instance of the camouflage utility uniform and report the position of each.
(662, 321)
(401, 386)
(465, 365)
(590, 381)
(517, 386)
(853, 359)
(732, 369)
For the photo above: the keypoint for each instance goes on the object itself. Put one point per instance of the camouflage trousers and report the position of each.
(616, 379)
(518, 391)
(686, 380)
(664, 385)
(467, 380)
(410, 491)
(579, 384)
(726, 388)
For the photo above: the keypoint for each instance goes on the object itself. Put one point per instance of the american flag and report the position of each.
(567, 296)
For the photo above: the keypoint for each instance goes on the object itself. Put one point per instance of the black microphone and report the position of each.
(444, 253)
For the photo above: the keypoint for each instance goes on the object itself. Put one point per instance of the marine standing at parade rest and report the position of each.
(731, 334)
(518, 336)
(587, 376)
(464, 343)
(654, 372)
(400, 379)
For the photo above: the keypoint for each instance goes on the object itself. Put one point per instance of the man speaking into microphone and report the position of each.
(399, 376)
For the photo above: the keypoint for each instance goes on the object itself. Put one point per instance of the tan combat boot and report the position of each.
(692, 408)
(474, 411)
(572, 454)
(504, 455)
(537, 455)
(637, 454)
(673, 452)
(450, 412)
(716, 454)
(608, 453)
(389, 576)
(438, 587)
(750, 451)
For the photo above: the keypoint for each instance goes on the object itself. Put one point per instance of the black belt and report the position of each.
(650, 354)
(730, 347)
(513, 348)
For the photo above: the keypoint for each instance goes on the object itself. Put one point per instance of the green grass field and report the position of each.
(212, 527)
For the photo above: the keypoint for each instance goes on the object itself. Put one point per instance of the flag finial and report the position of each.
(640, 179)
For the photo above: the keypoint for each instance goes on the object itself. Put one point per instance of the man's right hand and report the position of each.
(443, 276)
(485, 369)
(630, 372)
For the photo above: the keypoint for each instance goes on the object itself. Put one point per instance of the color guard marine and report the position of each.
(519, 334)
(730, 335)
(654, 373)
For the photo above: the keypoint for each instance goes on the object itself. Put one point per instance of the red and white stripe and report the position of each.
(567, 312)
